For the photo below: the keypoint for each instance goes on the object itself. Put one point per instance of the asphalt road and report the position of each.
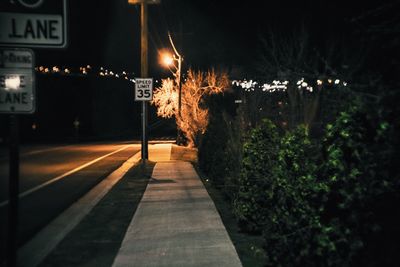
(52, 178)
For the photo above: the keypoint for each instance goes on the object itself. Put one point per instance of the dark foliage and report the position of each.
(259, 171)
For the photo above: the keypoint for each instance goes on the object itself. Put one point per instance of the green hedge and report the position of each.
(220, 148)
(259, 171)
(329, 205)
(211, 153)
(362, 200)
(293, 233)
(329, 202)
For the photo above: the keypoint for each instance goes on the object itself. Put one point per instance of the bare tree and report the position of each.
(165, 98)
(295, 58)
(192, 119)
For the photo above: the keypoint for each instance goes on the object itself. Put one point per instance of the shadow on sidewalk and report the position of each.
(97, 239)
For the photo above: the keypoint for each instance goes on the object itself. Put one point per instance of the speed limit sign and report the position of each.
(144, 89)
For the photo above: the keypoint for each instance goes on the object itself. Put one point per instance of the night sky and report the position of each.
(208, 33)
(215, 33)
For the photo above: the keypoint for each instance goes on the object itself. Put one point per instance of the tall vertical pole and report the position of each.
(179, 132)
(180, 66)
(179, 77)
(13, 192)
(144, 74)
(180, 84)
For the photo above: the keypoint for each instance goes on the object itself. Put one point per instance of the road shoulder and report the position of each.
(34, 251)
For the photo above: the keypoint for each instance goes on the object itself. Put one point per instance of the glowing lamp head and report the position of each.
(12, 83)
(167, 59)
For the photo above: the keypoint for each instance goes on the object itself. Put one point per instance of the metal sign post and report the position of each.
(144, 67)
(12, 244)
(17, 96)
(144, 93)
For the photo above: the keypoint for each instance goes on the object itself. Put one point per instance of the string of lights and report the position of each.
(86, 71)
(247, 85)
(281, 86)
(82, 71)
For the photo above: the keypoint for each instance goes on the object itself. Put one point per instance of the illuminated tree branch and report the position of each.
(194, 112)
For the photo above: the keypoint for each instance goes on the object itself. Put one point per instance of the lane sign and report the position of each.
(34, 23)
(17, 81)
(144, 89)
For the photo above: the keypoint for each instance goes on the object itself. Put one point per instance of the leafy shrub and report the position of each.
(344, 213)
(232, 155)
(212, 150)
(360, 202)
(221, 147)
(293, 232)
(259, 171)
(330, 205)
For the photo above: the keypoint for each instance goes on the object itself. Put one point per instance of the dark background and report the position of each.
(221, 34)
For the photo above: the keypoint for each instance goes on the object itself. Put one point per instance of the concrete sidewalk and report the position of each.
(176, 223)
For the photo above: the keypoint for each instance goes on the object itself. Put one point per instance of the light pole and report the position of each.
(144, 67)
(169, 60)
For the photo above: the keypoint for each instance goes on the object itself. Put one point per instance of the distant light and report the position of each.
(337, 81)
(329, 80)
(76, 123)
(12, 82)
(319, 82)
(300, 81)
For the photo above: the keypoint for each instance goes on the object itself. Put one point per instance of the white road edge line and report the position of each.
(30, 191)
(41, 245)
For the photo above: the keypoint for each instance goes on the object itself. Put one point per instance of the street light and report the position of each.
(169, 60)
